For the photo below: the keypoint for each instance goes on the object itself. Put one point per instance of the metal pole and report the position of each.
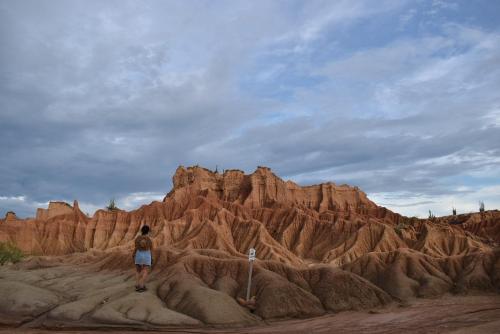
(249, 280)
(251, 258)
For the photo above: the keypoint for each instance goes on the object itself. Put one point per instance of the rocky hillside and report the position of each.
(276, 209)
(320, 248)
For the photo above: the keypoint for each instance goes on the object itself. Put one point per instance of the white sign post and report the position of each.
(251, 258)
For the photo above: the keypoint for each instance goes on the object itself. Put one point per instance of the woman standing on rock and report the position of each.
(142, 258)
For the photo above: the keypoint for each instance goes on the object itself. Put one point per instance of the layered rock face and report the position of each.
(321, 248)
(263, 189)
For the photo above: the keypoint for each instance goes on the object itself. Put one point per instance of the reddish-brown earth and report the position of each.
(478, 314)
(321, 249)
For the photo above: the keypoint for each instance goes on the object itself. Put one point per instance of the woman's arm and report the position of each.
(135, 250)
(151, 249)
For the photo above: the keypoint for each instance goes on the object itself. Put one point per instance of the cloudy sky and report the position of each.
(104, 99)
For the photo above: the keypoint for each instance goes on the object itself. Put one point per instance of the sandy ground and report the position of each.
(449, 314)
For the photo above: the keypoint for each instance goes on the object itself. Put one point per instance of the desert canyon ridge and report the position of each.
(320, 249)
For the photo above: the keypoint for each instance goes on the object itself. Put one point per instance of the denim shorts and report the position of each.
(143, 257)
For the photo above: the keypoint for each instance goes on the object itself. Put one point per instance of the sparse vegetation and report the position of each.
(112, 206)
(9, 253)
(409, 221)
(431, 215)
(399, 228)
(404, 225)
(454, 211)
(481, 206)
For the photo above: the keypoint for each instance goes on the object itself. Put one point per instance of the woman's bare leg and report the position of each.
(143, 275)
(138, 272)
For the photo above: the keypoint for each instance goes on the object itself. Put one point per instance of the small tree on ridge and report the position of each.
(112, 206)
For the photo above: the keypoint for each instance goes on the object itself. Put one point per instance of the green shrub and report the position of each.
(401, 226)
(112, 206)
(9, 253)
(398, 229)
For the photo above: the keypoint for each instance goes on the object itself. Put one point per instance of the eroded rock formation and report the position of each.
(321, 248)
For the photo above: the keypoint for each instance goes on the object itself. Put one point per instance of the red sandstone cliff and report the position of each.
(238, 199)
(306, 238)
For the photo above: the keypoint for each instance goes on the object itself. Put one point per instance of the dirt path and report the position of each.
(449, 314)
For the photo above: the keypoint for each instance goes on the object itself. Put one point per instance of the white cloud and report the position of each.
(465, 201)
(405, 18)
(13, 198)
(22, 205)
(134, 200)
(105, 99)
(492, 118)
